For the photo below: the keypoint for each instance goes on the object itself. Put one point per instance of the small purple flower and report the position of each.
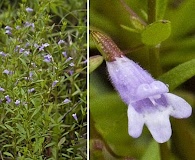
(66, 101)
(26, 53)
(30, 74)
(72, 64)
(64, 54)
(2, 54)
(68, 59)
(31, 90)
(29, 9)
(8, 28)
(2, 89)
(28, 24)
(45, 44)
(71, 72)
(8, 100)
(74, 115)
(84, 62)
(148, 100)
(48, 58)
(27, 44)
(8, 32)
(21, 50)
(60, 42)
(41, 48)
(17, 102)
(7, 72)
(54, 83)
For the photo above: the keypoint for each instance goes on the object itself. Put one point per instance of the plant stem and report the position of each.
(164, 151)
(151, 11)
(154, 60)
(155, 67)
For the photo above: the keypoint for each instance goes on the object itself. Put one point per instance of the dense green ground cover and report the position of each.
(43, 79)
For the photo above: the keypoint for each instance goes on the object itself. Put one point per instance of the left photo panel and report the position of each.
(43, 79)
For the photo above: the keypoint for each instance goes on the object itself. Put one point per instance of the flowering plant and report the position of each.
(152, 43)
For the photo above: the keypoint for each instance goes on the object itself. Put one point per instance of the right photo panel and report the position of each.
(141, 79)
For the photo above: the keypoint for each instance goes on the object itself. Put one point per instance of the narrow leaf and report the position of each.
(179, 74)
(95, 62)
(8, 154)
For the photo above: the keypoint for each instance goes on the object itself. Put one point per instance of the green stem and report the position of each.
(155, 67)
(151, 11)
(154, 60)
(164, 151)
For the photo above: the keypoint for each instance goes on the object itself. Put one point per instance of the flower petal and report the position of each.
(181, 109)
(135, 122)
(159, 125)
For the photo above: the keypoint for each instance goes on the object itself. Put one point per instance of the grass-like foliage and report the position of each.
(43, 79)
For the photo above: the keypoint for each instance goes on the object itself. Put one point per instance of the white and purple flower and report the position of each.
(29, 9)
(48, 58)
(148, 99)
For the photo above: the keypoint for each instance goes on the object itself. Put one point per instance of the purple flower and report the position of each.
(54, 83)
(29, 9)
(72, 64)
(148, 99)
(64, 54)
(74, 115)
(8, 28)
(2, 54)
(43, 46)
(7, 72)
(8, 100)
(48, 58)
(17, 102)
(21, 50)
(60, 42)
(8, 32)
(28, 24)
(2, 89)
(68, 59)
(31, 90)
(26, 53)
(66, 101)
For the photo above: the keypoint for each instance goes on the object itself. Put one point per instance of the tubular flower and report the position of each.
(148, 99)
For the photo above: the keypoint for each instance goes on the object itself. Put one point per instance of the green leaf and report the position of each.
(94, 62)
(129, 29)
(9, 127)
(179, 74)
(182, 19)
(156, 32)
(8, 154)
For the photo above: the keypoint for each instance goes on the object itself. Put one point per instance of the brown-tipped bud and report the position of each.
(106, 46)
